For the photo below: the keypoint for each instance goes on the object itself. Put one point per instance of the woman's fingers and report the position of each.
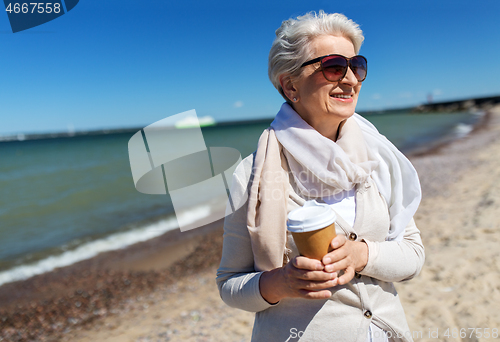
(337, 260)
(303, 278)
(304, 263)
(346, 277)
(338, 241)
(312, 289)
(315, 294)
(307, 269)
(315, 275)
(342, 264)
(292, 281)
(315, 285)
(350, 254)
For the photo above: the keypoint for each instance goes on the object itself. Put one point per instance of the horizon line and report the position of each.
(21, 136)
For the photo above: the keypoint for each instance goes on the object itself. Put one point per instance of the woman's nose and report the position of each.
(350, 78)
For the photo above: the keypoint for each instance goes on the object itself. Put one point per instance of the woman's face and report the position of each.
(319, 101)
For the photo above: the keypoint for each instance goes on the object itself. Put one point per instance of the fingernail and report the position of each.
(328, 260)
(319, 267)
(335, 244)
(329, 268)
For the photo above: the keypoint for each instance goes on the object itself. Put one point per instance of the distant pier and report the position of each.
(459, 105)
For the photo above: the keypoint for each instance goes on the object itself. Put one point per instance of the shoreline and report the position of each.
(438, 145)
(154, 254)
(97, 298)
(46, 305)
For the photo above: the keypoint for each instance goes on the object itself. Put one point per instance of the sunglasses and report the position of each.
(334, 67)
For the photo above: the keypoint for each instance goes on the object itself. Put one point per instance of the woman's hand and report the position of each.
(350, 256)
(301, 277)
(309, 278)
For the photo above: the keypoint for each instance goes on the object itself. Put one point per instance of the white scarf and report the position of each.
(322, 167)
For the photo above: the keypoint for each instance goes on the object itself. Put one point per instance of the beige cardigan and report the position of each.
(346, 315)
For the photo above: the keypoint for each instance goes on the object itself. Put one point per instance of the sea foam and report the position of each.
(112, 242)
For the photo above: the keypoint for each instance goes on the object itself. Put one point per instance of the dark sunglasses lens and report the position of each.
(334, 68)
(359, 67)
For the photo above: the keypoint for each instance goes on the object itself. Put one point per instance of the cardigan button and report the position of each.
(353, 236)
(357, 275)
(367, 185)
(368, 314)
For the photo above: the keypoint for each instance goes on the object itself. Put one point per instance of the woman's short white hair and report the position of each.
(291, 47)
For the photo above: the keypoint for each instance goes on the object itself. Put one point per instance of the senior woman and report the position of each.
(318, 148)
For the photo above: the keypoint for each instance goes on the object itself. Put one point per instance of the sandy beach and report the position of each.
(164, 289)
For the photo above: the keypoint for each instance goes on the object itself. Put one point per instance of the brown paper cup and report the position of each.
(315, 244)
(313, 229)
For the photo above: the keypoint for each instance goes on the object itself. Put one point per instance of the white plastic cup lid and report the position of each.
(310, 217)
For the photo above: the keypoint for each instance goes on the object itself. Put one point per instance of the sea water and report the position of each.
(67, 199)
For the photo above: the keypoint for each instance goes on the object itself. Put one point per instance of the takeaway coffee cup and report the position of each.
(313, 228)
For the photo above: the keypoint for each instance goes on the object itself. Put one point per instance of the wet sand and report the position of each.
(164, 289)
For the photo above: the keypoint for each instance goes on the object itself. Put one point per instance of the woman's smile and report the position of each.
(342, 97)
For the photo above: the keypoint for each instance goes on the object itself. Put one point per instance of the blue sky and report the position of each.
(129, 63)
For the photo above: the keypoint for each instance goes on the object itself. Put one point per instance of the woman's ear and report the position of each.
(288, 88)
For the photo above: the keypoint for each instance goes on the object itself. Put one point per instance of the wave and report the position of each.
(112, 242)
(461, 130)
